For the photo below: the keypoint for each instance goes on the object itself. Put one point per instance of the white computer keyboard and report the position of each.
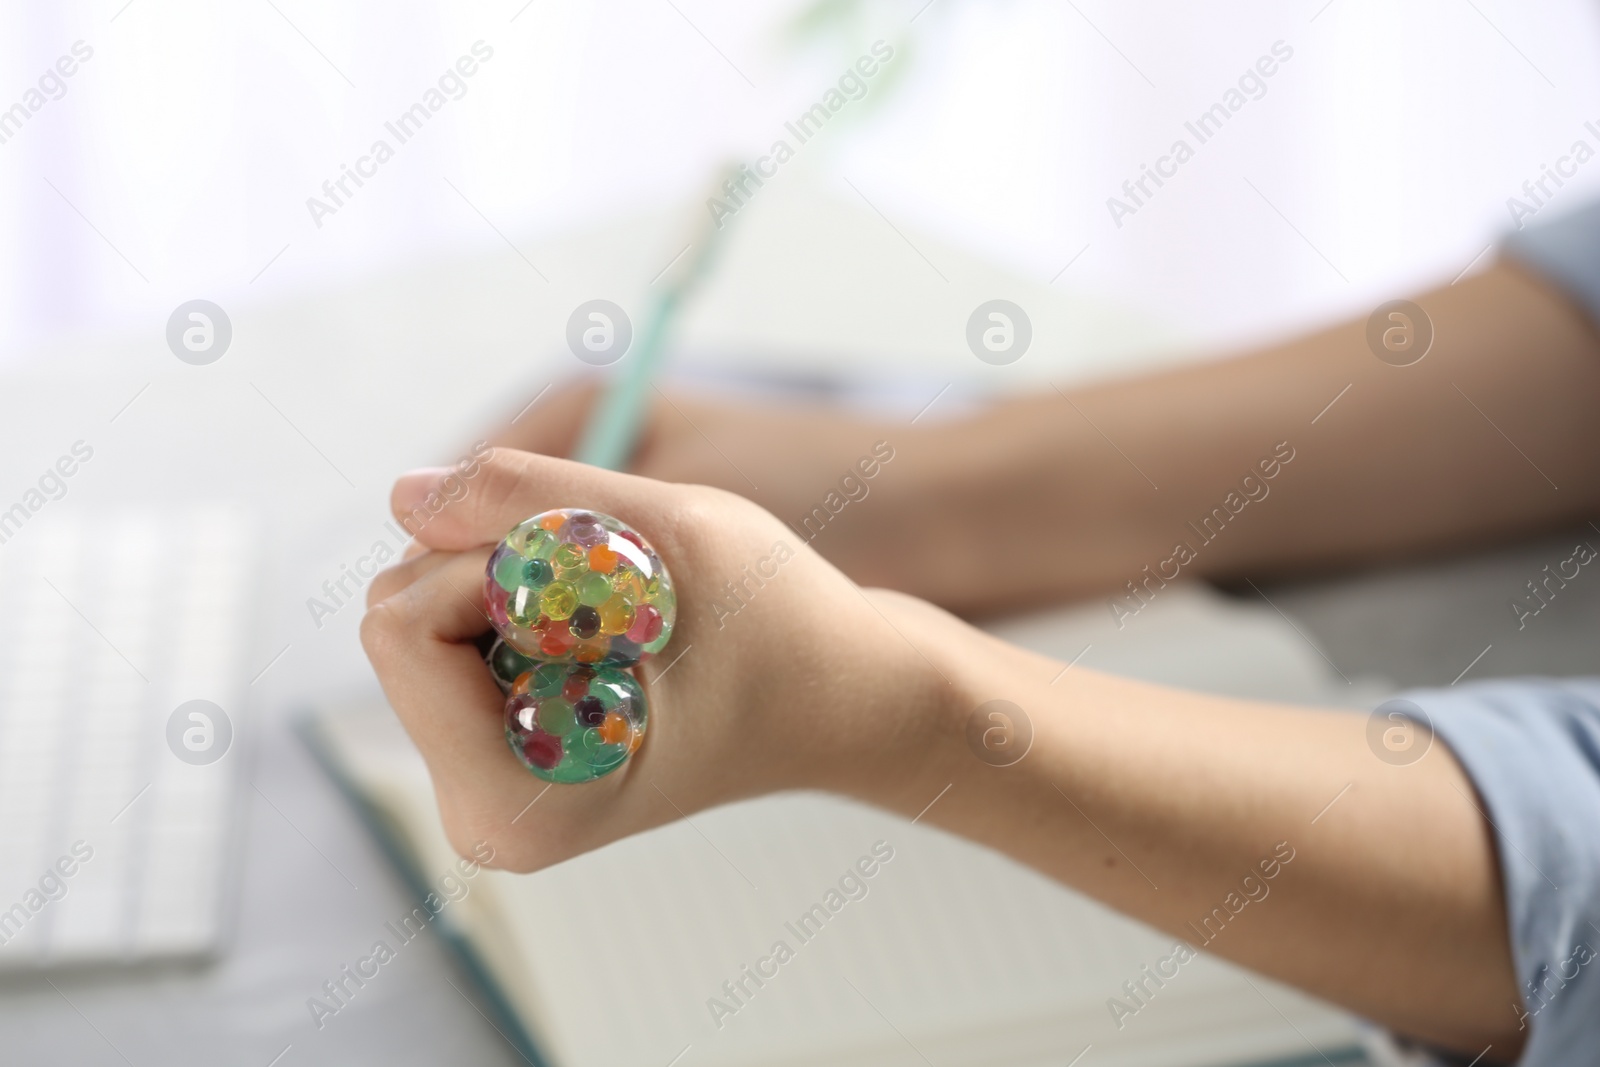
(116, 820)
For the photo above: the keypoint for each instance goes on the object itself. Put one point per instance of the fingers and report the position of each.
(551, 425)
(510, 487)
(419, 641)
(416, 562)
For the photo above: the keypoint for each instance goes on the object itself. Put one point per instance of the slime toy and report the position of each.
(576, 597)
(577, 587)
(572, 722)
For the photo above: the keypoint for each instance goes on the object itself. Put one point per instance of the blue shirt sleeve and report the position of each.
(1566, 250)
(1532, 749)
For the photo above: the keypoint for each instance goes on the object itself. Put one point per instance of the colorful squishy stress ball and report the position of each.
(576, 597)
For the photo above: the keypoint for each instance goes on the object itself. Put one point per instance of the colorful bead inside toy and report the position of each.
(506, 664)
(578, 586)
(573, 722)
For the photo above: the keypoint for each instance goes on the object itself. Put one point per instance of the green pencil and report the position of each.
(613, 428)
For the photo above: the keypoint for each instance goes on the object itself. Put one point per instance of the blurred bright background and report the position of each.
(194, 136)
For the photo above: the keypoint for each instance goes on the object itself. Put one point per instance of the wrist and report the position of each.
(913, 741)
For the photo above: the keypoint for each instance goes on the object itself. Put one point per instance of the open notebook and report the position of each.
(954, 955)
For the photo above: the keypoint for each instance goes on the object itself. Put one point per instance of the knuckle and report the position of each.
(382, 633)
(480, 841)
(499, 461)
(462, 837)
(383, 585)
(699, 522)
(501, 477)
(505, 475)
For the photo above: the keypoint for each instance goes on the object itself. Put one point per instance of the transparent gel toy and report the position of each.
(572, 586)
(577, 597)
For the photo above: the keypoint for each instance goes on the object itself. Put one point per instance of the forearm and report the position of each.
(1468, 445)
(1371, 885)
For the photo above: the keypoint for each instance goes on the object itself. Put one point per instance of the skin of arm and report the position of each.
(1464, 447)
(1159, 803)
(1153, 800)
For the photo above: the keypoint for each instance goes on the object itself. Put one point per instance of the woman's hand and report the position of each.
(800, 680)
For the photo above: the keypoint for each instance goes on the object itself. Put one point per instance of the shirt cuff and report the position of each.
(1566, 251)
(1532, 750)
